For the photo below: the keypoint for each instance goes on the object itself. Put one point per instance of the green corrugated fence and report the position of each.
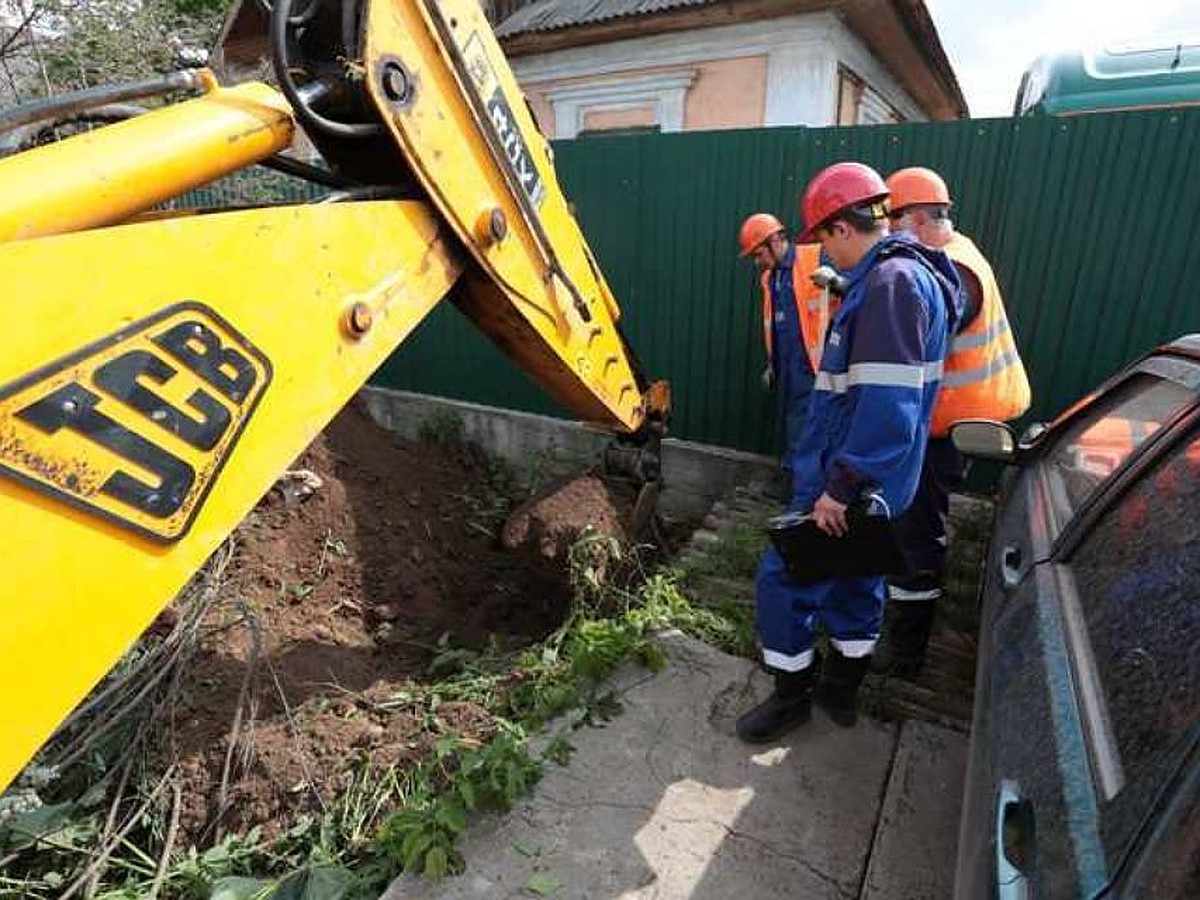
(1088, 221)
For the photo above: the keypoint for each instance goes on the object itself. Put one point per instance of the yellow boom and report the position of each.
(160, 371)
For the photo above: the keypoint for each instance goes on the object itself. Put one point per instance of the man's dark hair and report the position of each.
(863, 219)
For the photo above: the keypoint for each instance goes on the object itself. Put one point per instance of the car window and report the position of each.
(1170, 867)
(1137, 575)
(1090, 450)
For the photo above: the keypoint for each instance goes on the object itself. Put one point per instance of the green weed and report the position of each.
(443, 428)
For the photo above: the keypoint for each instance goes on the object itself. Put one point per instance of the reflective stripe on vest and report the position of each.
(984, 377)
(905, 375)
(814, 306)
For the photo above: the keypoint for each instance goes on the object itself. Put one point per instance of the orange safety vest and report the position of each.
(983, 377)
(814, 306)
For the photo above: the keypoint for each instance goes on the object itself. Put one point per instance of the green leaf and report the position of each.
(527, 848)
(451, 816)
(653, 657)
(95, 794)
(24, 829)
(559, 750)
(466, 790)
(436, 862)
(450, 662)
(542, 884)
(237, 888)
(414, 847)
(515, 782)
(315, 883)
(216, 857)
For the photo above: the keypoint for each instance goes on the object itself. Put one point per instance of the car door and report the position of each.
(1129, 588)
(1042, 763)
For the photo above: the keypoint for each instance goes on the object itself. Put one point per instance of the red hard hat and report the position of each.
(756, 229)
(836, 188)
(917, 185)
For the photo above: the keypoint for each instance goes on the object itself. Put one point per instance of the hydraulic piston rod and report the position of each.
(105, 176)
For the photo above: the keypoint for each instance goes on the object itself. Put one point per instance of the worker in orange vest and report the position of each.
(795, 316)
(983, 379)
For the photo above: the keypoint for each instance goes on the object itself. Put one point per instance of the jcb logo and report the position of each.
(136, 426)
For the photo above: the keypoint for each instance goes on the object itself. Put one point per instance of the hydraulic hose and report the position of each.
(280, 13)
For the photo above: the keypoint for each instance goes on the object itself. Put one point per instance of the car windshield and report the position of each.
(1104, 437)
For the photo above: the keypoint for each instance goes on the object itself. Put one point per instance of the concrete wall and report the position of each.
(694, 474)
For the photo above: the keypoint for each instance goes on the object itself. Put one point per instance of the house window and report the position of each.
(633, 101)
(850, 96)
(861, 104)
(874, 110)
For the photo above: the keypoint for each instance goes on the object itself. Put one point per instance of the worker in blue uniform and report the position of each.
(796, 312)
(864, 437)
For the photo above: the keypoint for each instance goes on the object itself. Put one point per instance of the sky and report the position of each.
(991, 42)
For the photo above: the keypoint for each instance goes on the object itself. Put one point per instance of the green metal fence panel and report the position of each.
(1088, 222)
(248, 187)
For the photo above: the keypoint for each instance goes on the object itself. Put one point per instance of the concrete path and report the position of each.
(664, 802)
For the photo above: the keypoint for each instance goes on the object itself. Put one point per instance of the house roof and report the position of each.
(901, 33)
(547, 15)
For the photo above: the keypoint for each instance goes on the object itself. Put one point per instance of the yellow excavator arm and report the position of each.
(161, 370)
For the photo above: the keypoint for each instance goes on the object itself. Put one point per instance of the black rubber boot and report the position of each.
(837, 693)
(788, 707)
(906, 628)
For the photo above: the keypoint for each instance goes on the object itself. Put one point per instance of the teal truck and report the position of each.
(1136, 75)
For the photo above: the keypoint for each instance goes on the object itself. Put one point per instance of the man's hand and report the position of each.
(827, 277)
(768, 378)
(830, 516)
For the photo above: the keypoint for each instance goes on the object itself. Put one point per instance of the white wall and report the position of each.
(854, 55)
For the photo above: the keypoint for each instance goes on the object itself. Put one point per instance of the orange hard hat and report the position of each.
(836, 188)
(756, 229)
(917, 185)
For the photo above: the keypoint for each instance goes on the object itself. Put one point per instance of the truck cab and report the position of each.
(1147, 74)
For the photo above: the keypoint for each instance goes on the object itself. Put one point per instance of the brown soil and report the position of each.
(550, 522)
(351, 589)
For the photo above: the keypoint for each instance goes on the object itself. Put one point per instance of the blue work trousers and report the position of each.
(790, 614)
(921, 531)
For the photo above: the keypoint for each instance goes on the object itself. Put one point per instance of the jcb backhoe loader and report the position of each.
(160, 370)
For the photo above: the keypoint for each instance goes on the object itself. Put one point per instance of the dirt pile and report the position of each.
(550, 522)
(341, 598)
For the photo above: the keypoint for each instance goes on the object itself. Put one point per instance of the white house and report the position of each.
(684, 65)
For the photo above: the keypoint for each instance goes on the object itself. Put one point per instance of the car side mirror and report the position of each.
(985, 439)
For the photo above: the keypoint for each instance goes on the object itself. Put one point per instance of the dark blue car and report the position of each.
(1084, 772)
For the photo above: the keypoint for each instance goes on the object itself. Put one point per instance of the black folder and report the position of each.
(869, 547)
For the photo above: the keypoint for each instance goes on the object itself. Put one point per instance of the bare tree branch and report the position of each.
(26, 22)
